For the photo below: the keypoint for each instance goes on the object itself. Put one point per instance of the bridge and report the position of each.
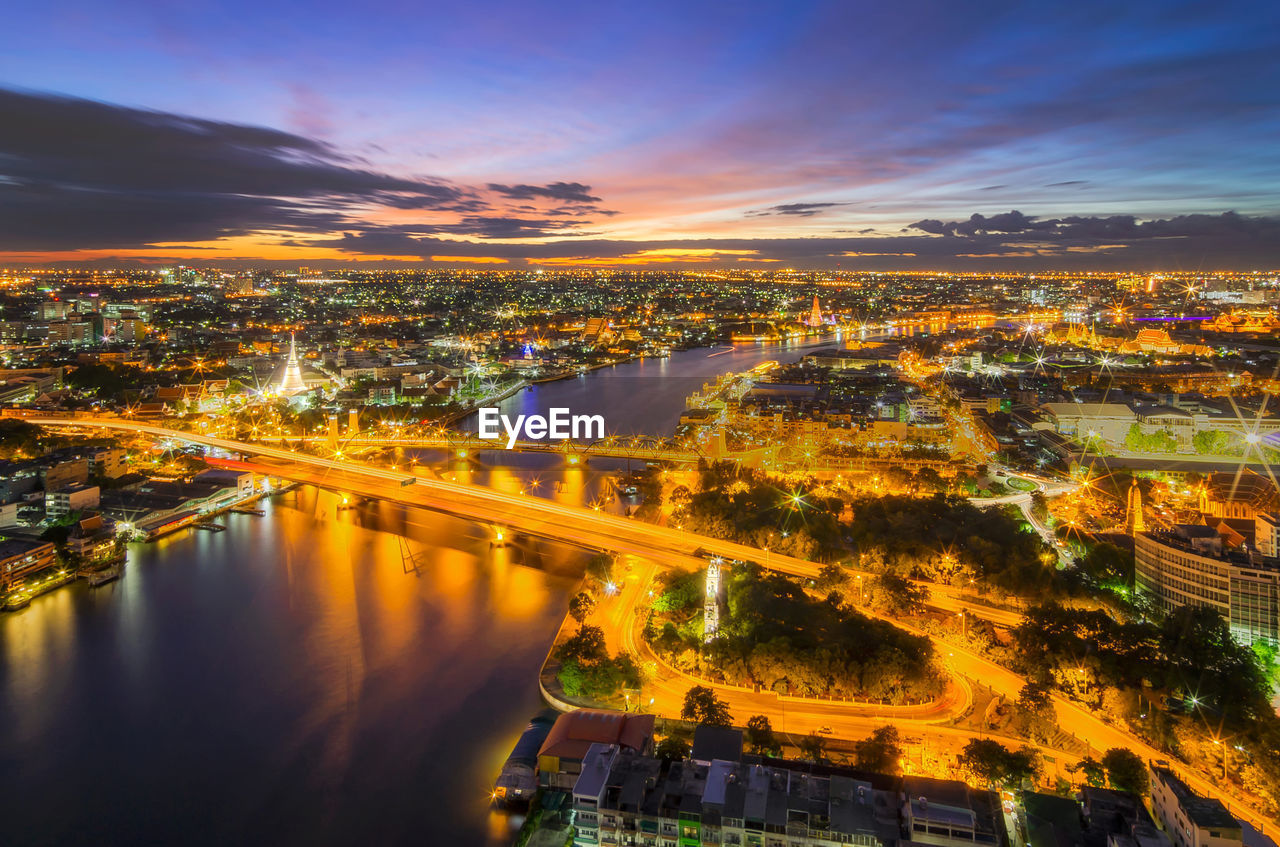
(642, 448)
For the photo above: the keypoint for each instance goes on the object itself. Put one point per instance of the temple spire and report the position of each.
(291, 381)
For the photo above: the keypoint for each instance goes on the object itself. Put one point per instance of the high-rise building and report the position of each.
(1191, 566)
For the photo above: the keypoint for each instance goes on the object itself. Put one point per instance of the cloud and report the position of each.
(805, 210)
(567, 192)
(1000, 241)
(82, 175)
(1006, 222)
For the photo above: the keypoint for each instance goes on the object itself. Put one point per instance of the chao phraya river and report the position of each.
(313, 676)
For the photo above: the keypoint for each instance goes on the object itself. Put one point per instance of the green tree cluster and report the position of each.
(909, 535)
(703, 707)
(996, 765)
(587, 669)
(774, 635)
(881, 752)
(1160, 441)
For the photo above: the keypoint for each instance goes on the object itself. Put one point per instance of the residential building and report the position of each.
(560, 758)
(72, 498)
(1189, 819)
(60, 474)
(948, 813)
(623, 797)
(109, 463)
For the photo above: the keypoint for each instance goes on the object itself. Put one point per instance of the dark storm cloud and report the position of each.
(1081, 231)
(78, 174)
(567, 192)
(1007, 222)
(804, 210)
(81, 174)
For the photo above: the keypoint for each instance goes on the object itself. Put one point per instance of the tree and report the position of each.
(587, 645)
(760, 736)
(831, 576)
(1091, 768)
(703, 707)
(813, 747)
(581, 606)
(994, 764)
(672, 747)
(899, 595)
(1126, 771)
(881, 752)
(1105, 562)
(1036, 707)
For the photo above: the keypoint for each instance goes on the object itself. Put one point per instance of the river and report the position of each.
(315, 675)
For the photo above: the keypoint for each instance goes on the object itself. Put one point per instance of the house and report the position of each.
(560, 758)
(1189, 819)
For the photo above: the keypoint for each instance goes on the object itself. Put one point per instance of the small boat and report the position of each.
(14, 602)
(103, 577)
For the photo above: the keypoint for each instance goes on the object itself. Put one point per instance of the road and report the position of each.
(671, 547)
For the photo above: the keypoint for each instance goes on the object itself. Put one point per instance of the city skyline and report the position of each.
(768, 136)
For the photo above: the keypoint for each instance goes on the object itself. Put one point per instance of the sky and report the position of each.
(514, 135)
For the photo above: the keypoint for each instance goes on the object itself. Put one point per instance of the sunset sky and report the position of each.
(518, 134)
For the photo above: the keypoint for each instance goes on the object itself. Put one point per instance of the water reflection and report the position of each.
(316, 676)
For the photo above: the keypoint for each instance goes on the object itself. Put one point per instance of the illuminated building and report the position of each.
(19, 557)
(1191, 566)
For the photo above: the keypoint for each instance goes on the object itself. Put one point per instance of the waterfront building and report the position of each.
(624, 797)
(1189, 819)
(92, 539)
(561, 756)
(20, 557)
(1192, 566)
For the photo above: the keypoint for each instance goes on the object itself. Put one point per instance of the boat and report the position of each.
(14, 602)
(518, 781)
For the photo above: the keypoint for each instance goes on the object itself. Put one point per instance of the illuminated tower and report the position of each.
(291, 382)
(815, 315)
(711, 602)
(1133, 521)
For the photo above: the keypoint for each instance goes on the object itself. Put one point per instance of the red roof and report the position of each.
(575, 732)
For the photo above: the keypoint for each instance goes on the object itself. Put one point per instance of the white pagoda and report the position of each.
(291, 380)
